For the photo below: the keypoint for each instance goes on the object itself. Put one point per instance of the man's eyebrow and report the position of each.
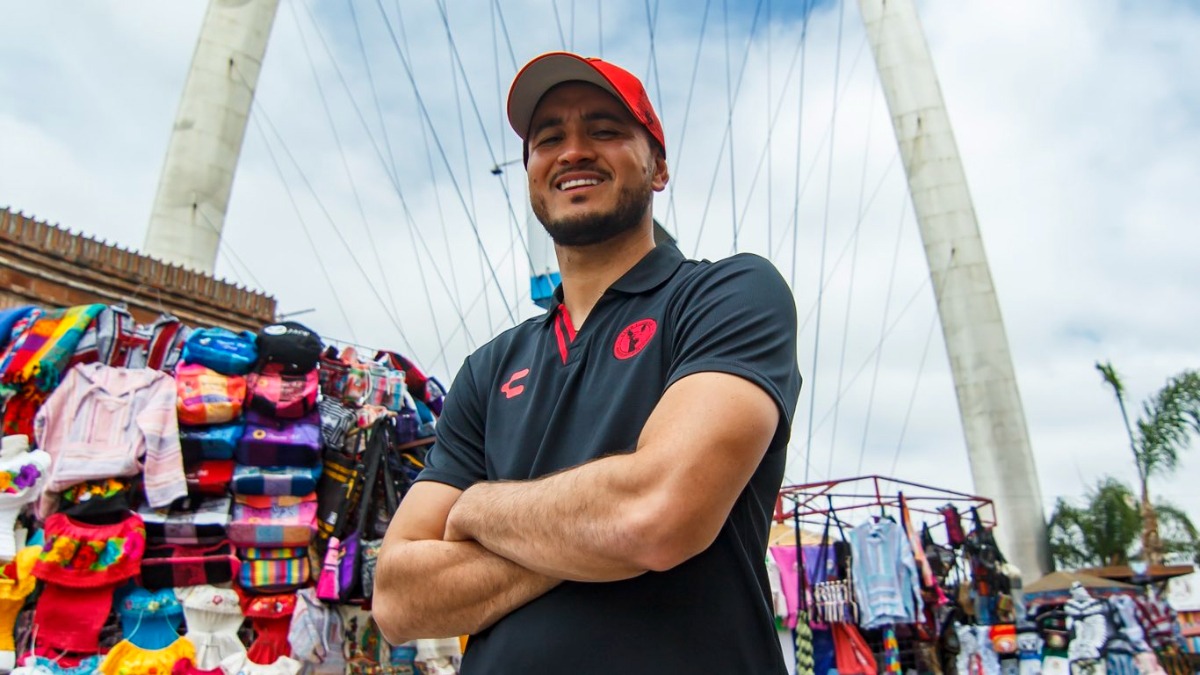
(544, 124)
(603, 116)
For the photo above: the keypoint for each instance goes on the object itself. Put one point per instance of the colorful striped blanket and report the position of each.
(45, 348)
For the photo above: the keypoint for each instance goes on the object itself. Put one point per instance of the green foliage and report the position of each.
(1105, 529)
(1167, 423)
(1102, 532)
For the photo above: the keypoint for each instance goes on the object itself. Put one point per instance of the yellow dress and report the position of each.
(127, 658)
(16, 582)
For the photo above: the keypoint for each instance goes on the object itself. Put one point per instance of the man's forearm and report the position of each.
(440, 589)
(581, 524)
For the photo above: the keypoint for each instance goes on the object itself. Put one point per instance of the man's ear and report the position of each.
(661, 175)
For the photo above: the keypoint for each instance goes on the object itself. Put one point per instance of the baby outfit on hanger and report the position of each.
(271, 615)
(127, 658)
(81, 565)
(40, 665)
(150, 619)
(240, 664)
(16, 583)
(213, 619)
(22, 476)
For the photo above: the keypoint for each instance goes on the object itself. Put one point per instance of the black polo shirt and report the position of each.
(540, 398)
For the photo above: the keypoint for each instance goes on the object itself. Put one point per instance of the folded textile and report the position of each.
(48, 346)
(9, 318)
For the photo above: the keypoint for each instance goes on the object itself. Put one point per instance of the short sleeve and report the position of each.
(456, 457)
(738, 316)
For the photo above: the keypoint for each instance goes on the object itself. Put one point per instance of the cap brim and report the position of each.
(541, 75)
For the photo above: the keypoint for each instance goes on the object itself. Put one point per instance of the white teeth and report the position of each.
(578, 182)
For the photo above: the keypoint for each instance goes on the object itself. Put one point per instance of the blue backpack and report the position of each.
(221, 350)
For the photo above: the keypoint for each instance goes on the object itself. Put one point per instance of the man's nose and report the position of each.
(575, 148)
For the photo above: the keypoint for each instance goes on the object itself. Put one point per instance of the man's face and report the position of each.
(591, 166)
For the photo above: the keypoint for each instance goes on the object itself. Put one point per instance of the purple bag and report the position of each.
(272, 442)
(339, 572)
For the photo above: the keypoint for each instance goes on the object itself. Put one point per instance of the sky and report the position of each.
(366, 190)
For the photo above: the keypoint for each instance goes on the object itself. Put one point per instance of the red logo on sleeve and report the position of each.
(508, 388)
(634, 338)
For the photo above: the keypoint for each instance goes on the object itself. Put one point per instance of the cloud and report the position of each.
(1078, 124)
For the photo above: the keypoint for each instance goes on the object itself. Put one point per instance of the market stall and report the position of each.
(189, 499)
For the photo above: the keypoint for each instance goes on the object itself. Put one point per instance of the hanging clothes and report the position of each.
(213, 618)
(886, 583)
(103, 422)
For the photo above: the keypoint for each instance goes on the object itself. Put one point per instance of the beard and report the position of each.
(596, 228)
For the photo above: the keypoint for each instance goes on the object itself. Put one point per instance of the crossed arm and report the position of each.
(455, 562)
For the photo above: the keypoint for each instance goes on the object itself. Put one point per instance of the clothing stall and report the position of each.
(193, 500)
(893, 576)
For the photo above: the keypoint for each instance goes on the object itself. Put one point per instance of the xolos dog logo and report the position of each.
(634, 338)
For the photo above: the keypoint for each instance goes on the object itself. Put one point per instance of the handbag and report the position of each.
(209, 477)
(211, 442)
(279, 481)
(276, 393)
(273, 521)
(201, 522)
(271, 442)
(294, 347)
(205, 396)
(172, 566)
(369, 548)
(851, 652)
(833, 598)
(338, 489)
(221, 350)
(274, 570)
(341, 570)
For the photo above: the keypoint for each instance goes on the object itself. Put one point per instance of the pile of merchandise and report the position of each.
(197, 500)
(885, 597)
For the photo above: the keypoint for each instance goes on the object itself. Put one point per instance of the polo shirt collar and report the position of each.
(649, 273)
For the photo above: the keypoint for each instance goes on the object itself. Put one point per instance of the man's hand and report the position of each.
(427, 587)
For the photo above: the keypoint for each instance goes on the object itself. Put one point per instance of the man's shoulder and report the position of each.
(494, 351)
(748, 269)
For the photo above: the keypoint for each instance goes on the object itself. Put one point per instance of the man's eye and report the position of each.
(545, 140)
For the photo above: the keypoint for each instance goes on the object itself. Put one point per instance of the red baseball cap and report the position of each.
(551, 69)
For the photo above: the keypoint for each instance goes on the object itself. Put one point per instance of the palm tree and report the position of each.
(1164, 429)
(1100, 533)
(1105, 530)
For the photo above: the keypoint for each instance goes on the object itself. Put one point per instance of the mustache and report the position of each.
(593, 169)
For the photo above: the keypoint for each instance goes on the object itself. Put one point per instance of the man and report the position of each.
(599, 495)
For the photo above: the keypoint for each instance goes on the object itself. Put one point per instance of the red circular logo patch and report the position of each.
(634, 338)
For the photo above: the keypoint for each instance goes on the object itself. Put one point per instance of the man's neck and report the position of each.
(588, 271)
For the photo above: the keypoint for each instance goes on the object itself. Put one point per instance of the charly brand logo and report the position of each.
(275, 329)
(509, 390)
(634, 338)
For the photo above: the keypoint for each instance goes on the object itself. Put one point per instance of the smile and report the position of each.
(578, 182)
